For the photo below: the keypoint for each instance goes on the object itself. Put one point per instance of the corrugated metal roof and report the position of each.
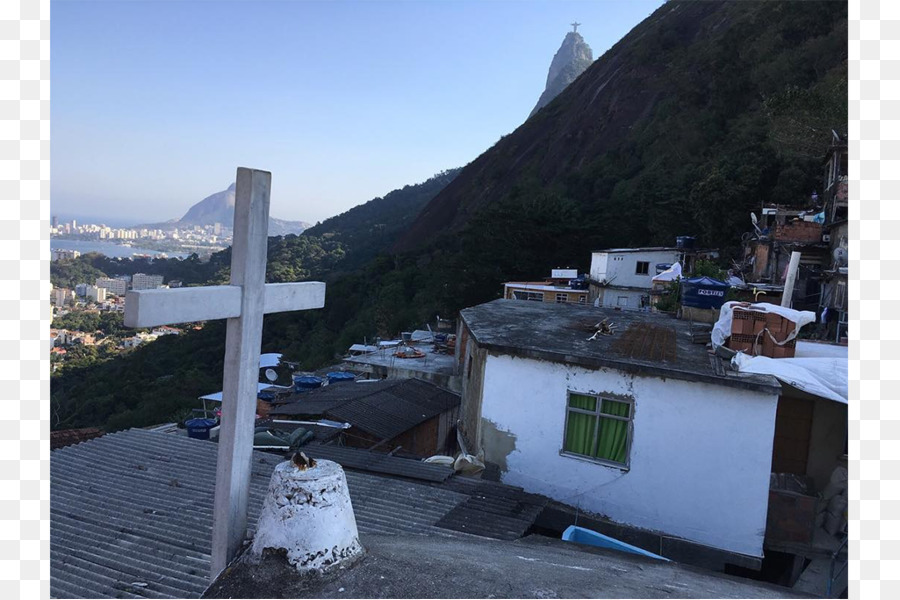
(135, 507)
(375, 462)
(384, 409)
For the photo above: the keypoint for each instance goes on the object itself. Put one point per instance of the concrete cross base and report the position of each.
(307, 513)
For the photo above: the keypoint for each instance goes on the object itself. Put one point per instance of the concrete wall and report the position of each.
(700, 456)
(472, 363)
(612, 297)
(619, 268)
(827, 439)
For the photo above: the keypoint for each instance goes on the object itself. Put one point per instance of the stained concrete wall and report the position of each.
(700, 456)
(827, 440)
(472, 362)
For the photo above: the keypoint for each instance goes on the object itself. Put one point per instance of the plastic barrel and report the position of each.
(199, 428)
(304, 383)
(340, 377)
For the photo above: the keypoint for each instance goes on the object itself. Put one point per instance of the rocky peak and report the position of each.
(570, 61)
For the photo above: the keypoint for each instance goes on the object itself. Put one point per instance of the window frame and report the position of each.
(562, 298)
(529, 296)
(637, 267)
(626, 466)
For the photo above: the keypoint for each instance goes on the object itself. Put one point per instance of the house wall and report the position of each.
(472, 364)
(699, 462)
(613, 297)
(550, 295)
(827, 441)
(619, 268)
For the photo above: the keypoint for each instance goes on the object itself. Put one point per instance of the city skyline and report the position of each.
(156, 104)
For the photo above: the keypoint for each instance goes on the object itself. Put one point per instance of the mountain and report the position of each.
(219, 208)
(370, 228)
(700, 113)
(570, 61)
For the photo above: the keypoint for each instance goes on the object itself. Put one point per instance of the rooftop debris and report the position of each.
(604, 327)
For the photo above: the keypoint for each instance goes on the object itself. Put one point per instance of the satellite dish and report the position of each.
(271, 375)
(753, 218)
(840, 256)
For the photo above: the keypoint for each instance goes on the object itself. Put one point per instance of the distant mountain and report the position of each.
(570, 61)
(219, 208)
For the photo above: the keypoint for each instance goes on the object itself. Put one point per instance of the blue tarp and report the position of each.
(703, 292)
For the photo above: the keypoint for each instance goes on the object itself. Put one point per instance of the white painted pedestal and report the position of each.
(308, 514)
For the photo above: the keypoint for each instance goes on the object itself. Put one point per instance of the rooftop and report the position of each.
(435, 366)
(384, 408)
(131, 517)
(642, 343)
(131, 512)
(411, 566)
(645, 249)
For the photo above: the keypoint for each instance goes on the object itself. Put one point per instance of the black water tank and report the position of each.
(685, 242)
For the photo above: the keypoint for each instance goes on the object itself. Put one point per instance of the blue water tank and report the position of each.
(304, 383)
(199, 428)
(340, 377)
(703, 292)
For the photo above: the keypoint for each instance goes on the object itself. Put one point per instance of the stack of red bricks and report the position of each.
(752, 332)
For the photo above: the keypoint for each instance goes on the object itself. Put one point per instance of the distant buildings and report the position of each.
(97, 294)
(140, 281)
(62, 296)
(113, 286)
(61, 254)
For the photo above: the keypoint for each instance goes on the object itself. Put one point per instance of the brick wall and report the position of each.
(799, 231)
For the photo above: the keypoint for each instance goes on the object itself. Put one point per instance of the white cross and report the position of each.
(243, 303)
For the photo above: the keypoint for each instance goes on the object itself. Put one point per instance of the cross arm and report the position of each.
(149, 308)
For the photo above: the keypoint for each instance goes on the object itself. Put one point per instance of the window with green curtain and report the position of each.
(598, 428)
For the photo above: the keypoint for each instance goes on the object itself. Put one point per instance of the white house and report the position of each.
(639, 426)
(620, 277)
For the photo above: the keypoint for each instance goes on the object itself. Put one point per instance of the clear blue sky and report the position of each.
(154, 104)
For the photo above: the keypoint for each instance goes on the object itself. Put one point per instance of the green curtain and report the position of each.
(580, 427)
(613, 432)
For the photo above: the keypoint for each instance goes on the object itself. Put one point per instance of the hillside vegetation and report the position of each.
(701, 113)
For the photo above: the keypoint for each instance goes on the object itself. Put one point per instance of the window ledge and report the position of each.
(597, 461)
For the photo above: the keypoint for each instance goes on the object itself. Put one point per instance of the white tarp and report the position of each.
(670, 274)
(825, 377)
(722, 329)
(269, 360)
